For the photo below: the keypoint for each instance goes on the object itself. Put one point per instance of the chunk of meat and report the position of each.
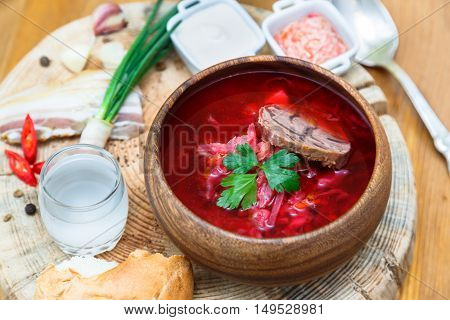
(287, 130)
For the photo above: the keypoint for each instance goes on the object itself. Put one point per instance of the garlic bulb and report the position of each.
(108, 18)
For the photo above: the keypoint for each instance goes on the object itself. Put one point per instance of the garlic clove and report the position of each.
(108, 18)
(75, 58)
(111, 54)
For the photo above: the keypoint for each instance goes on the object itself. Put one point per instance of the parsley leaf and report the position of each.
(243, 189)
(281, 179)
(241, 161)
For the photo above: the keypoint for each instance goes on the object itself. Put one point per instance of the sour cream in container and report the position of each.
(212, 31)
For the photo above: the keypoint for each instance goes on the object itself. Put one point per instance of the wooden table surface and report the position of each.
(423, 52)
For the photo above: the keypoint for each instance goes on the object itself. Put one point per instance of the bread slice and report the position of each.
(142, 276)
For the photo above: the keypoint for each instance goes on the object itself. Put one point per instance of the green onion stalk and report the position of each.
(151, 45)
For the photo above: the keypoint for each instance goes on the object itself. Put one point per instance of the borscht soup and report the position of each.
(267, 154)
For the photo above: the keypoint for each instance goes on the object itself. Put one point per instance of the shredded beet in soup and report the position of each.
(222, 120)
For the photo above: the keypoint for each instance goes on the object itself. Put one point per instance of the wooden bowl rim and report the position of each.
(340, 222)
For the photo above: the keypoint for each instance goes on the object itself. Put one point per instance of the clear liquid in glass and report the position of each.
(85, 204)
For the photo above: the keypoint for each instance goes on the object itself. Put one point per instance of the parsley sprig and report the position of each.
(279, 178)
(242, 185)
(242, 191)
(241, 161)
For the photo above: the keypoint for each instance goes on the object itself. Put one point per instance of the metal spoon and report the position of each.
(378, 38)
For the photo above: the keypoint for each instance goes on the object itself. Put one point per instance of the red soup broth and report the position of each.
(225, 109)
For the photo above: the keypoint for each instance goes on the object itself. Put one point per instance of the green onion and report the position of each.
(151, 45)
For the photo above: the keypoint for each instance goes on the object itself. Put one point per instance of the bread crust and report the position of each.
(142, 276)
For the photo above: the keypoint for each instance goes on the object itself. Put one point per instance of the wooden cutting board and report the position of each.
(376, 272)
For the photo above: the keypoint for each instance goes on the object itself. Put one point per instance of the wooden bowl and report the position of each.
(280, 261)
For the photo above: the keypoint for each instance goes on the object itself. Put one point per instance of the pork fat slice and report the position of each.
(61, 109)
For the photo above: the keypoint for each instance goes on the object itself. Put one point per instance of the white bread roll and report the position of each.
(142, 276)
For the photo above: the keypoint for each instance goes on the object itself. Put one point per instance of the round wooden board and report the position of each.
(376, 272)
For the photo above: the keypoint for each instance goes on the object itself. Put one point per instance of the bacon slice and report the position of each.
(62, 109)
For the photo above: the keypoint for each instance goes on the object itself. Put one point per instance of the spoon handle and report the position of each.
(436, 128)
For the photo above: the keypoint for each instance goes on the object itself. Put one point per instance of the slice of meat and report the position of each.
(286, 130)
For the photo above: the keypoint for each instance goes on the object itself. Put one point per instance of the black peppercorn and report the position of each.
(44, 61)
(160, 66)
(30, 209)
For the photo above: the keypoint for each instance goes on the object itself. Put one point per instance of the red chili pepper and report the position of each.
(21, 168)
(29, 140)
(37, 167)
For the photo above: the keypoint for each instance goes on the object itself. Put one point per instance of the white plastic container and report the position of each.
(207, 35)
(288, 11)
